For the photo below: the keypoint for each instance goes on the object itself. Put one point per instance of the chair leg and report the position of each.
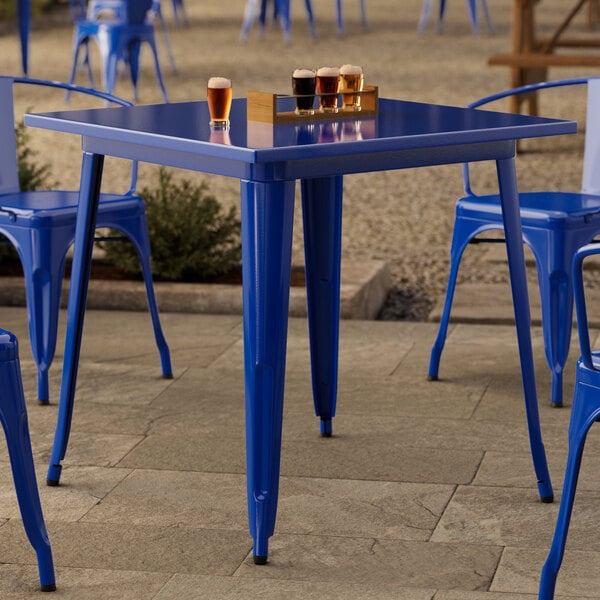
(77, 44)
(283, 12)
(249, 15)
(424, 16)
(472, 5)
(13, 415)
(167, 40)
(136, 230)
(363, 14)
(311, 19)
(586, 409)
(442, 12)
(464, 231)
(339, 20)
(487, 16)
(42, 255)
(161, 83)
(553, 261)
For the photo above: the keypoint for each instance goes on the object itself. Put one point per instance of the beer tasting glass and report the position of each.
(303, 88)
(219, 95)
(351, 80)
(327, 85)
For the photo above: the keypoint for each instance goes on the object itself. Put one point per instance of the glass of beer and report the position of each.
(351, 80)
(303, 88)
(327, 85)
(219, 95)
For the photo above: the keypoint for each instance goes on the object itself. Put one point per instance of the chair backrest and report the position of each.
(127, 11)
(580, 307)
(591, 159)
(113, 9)
(590, 180)
(9, 172)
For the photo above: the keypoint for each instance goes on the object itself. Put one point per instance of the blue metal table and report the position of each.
(267, 160)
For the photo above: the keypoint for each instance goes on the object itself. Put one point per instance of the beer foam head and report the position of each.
(350, 70)
(300, 73)
(219, 82)
(328, 72)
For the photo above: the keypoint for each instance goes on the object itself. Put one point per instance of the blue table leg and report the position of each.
(89, 195)
(518, 279)
(322, 216)
(267, 212)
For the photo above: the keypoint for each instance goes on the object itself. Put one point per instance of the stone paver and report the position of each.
(426, 491)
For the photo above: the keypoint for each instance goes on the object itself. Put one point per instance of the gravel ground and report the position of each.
(403, 217)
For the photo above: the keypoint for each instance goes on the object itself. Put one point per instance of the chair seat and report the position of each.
(547, 209)
(55, 205)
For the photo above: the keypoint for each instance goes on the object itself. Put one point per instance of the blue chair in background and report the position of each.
(179, 13)
(555, 225)
(340, 20)
(118, 38)
(13, 415)
(281, 12)
(584, 413)
(117, 9)
(471, 5)
(41, 226)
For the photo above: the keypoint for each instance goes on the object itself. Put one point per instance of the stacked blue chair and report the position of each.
(555, 225)
(41, 226)
(118, 38)
(13, 415)
(117, 9)
(584, 413)
(471, 5)
(281, 12)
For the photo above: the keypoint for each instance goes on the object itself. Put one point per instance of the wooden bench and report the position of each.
(531, 56)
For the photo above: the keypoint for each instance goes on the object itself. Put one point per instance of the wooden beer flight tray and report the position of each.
(262, 107)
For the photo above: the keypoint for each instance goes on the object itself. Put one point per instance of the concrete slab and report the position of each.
(363, 290)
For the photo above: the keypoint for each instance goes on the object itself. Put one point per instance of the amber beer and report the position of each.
(328, 79)
(219, 95)
(303, 88)
(351, 80)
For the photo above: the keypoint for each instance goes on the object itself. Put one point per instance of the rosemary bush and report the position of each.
(192, 238)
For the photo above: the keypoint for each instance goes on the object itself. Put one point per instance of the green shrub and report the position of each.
(192, 238)
(32, 176)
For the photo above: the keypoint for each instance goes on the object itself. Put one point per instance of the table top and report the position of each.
(166, 132)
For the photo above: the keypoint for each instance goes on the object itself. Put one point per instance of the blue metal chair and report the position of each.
(339, 15)
(41, 226)
(117, 9)
(584, 413)
(118, 38)
(13, 415)
(281, 12)
(179, 13)
(471, 5)
(555, 225)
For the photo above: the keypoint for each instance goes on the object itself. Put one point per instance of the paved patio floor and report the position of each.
(425, 491)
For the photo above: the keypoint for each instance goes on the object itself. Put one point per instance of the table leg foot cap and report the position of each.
(50, 587)
(326, 427)
(260, 560)
(547, 499)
